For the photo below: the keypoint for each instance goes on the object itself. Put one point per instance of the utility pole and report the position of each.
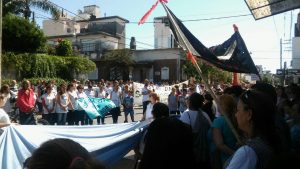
(284, 73)
(280, 53)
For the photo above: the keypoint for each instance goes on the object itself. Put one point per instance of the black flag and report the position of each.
(232, 55)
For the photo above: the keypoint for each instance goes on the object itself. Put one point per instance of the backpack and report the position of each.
(200, 142)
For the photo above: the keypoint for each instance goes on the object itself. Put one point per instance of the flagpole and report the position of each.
(206, 83)
(217, 102)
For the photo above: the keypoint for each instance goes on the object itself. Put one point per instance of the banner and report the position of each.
(162, 91)
(95, 107)
(107, 143)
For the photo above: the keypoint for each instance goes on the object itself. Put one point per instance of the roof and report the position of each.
(105, 18)
(82, 34)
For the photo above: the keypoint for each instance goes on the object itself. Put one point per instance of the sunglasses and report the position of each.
(245, 97)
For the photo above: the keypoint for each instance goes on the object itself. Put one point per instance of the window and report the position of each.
(164, 73)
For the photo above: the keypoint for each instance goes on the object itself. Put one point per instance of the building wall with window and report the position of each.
(158, 65)
(163, 37)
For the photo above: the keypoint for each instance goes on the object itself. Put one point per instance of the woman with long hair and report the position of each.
(63, 101)
(223, 142)
(256, 118)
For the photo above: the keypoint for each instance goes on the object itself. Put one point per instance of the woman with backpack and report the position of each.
(200, 124)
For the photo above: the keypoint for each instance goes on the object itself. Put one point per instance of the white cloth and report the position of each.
(81, 95)
(108, 143)
(4, 117)
(49, 101)
(243, 158)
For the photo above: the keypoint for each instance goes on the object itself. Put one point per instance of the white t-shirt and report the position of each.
(145, 92)
(49, 101)
(148, 115)
(63, 100)
(7, 105)
(90, 92)
(4, 117)
(244, 158)
(73, 97)
(115, 97)
(101, 94)
(189, 117)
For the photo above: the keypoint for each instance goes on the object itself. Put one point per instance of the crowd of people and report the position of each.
(245, 128)
(255, 127)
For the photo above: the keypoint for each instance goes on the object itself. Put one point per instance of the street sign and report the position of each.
(288, 72)
(279, 71)
(293, 71)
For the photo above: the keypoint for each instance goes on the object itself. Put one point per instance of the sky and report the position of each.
(262, 37)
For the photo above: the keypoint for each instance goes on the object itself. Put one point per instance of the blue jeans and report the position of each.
(115, 114)
(61, 118)
(27, 118)
(145, 103)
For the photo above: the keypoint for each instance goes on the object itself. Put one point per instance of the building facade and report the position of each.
(296, 53)
(163, 37)
(158, 65)
(89, 33)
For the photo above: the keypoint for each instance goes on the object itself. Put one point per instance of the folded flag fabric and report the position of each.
(95, 107)
(232, 55)
(107, 143)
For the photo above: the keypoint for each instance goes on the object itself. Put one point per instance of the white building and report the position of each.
(163, 37)
(90, 33)
(296, 52)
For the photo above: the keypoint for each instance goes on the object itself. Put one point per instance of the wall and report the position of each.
(296, 53)
(162, 34)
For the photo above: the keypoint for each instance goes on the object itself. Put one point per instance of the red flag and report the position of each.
(191, 57)
(144, 18)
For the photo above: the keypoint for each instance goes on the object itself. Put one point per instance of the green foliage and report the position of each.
(190, 70)
(119, 57)
(19, 35)
(35, 81)
(211, 73)
(45, 66)
(64, 48)
(22, 7)
(119, 62)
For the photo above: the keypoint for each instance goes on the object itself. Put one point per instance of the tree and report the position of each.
(20, 35)
(22, 7)
(211, 73)
(29, 65)
(64, 48)
(119, 62)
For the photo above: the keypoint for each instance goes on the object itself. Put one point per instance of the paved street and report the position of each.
(138, 113)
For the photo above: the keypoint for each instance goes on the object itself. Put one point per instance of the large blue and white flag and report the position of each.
(107, 143)
(95, 107)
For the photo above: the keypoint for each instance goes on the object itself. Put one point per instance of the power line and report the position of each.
(135, 22)
(275, 27)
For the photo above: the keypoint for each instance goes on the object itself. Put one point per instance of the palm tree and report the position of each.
(22, 7)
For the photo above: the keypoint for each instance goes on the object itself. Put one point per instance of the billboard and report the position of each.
(264, 8)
